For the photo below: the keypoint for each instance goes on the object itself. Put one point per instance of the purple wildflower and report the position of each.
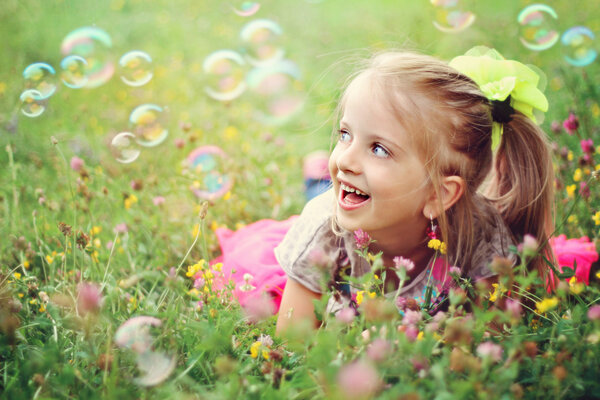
(362, 238)
(571, 124)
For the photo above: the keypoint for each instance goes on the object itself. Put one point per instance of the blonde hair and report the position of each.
(450, 124)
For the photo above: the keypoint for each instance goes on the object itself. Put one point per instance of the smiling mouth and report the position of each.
(351, 198)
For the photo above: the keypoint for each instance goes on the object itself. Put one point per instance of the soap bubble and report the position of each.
(225, 70)
(41, 77)
(155, 366)
(136, 68)
(261, 39)
(206, 165)
(450, 16)
(538, 30)
(148, 125)
(32, 103)
(579, 46)
(125, 148)
(278, 88)
(246, 8)
(93, 44)
(73, 72)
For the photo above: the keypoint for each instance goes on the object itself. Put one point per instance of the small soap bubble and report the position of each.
(125, 148)
(136, 68)
(279, 91)
(225, 73)
(134, 334)
(148, 125)
(578, 44)
(450, 16)
(94, 45)
(538, 27)
(206, 165)
(246, 8)
(41, 77)
(261, 40)
(73, 71)
(32, 103)
(155, 366)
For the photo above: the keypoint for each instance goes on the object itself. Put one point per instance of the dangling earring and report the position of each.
(432, 231)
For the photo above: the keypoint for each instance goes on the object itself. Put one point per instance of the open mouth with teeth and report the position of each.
(351, 196)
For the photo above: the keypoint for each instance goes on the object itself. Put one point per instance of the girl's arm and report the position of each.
(296, 306)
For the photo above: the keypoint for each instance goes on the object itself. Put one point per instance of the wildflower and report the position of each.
(514, 308)
(17, 275)
(598, 274)
(576, 287)
(121, 228)
(571, 124)
(89, 298)
(378, 350)
(555, 127)
(490, 350)
(594, 312)
(584, 190)
(76, 163)
(454, 271)
(158, 200)
(95, 230)
(358, 380)
(346, 315)
(359, 296)
(546, 304)
(199, 305)
(497, 291)
(570, 155)
(136, 184)
(246, 287)
(529, 245)
(362, 239)
(401, 262)
(179, 143)
(412, 333)
(258, 308)
(587, 146)
(411, 317)
(577, 175)
(130, 200)
(255, 348)
(437, 245)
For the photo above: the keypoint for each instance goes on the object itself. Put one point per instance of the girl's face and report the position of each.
(378, 179)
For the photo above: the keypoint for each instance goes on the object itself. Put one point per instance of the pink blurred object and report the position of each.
(568, 251)
(316, 165)
(249, 250)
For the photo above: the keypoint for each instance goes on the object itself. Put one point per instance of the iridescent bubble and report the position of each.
(246, 8)
(538, 27)
(93, 44)
(73, 72)
(134, 334)
(41, 77)
(155, 366)
(206, 165)
(148, 126)
(279, 92)
(261, 39)
(450, 16)
(225, 72)
(136, 68)
(125, 148)
(32, 103)
(579, 46)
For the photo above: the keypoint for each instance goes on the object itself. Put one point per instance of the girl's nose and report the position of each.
(348, 159)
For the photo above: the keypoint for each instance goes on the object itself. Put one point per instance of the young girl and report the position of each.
(422, 150)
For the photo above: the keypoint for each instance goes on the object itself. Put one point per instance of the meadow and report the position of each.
(107, 289)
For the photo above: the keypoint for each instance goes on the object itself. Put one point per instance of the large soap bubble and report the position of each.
(450, 16)
(148, 125)
(94, 45)
(246, 8)
(136, 68)
(207, 166)
(538, 27)
(225, 74)
(279, 92)
(261, 39)
(41, 77)
(32, 103)
(578, 43)
(125, 148)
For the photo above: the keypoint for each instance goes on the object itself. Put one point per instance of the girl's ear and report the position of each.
(451, 189)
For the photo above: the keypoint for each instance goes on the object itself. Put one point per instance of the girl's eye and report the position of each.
(344, 136)
(380, 151)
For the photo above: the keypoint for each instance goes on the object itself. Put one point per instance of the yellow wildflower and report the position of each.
(576, 287)
(212, 312)
(494, 294)
(42, 308)
(21, 295)
(546, 304)
(217, 267)
(33, 301)
(577, 175)
(209, 275)
(265, 354)
(571, 190)
(254, 349)
(17, 275)
(130, 200)
(49, 259)
(420, 335)
(372, 295)
(596, 218)
(227, 195)
(95, 230)
(573, 219)
(443, 248)
(598, 274)
(193, 292)
(231, 132)
(359, 296)
(26, 264)
(570, 156)
(437, 245)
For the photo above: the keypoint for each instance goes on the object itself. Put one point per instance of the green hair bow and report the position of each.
(499, 78)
